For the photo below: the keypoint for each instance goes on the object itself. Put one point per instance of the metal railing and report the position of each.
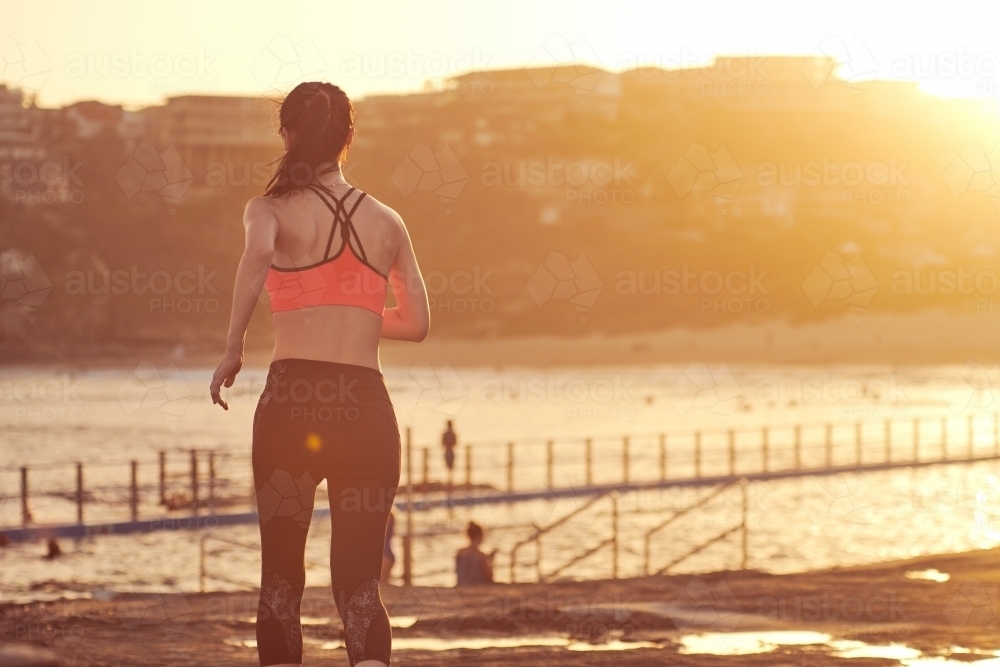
(742, 527)
(536, 538)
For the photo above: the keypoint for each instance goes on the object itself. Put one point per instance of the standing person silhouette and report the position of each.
(448, 441)
(325, 252)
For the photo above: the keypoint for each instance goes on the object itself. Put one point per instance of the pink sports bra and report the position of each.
(345, 279)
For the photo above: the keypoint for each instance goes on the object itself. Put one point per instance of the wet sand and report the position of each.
(873, 605)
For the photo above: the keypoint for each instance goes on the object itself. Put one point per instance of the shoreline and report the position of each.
(922, 338)
(652, 618)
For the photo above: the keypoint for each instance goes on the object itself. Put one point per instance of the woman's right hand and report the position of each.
(225, 375)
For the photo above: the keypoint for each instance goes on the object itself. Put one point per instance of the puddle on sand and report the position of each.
(473, 643)
(319, 621)
(928, 575)
(848, 648)
(748, 643)
(480, 643)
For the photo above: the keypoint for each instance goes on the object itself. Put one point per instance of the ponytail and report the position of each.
(318, 119)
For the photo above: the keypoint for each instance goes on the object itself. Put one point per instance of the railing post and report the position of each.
(798, 446)
(510, 467)
(201, 563)
(743, 486)
(971, 438)
(194, 480)
(697, 454)
(211, 481)
(468, 468)
(732, 452)
(764, 454)
(916, 440)
(134, 491)
(589, 461)
(25, 512)
(549, 462)
(625, 460)
(408, 538)
(79, 493)
(663, 457)
(857, 443)
(614, 534)
(944, 438)
(163, 478)
(426, 467)
(829, 445)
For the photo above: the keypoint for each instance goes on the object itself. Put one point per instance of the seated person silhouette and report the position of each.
(472, 566)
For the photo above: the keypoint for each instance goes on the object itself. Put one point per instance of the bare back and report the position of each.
(342, 334)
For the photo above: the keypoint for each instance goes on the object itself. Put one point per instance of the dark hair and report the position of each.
(474, 530)
(319, 118)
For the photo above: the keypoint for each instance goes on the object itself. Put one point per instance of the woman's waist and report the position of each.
(320, 335)
(323, 382)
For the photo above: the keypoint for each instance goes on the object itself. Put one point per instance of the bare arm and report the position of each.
(261, 231)
(411, 318)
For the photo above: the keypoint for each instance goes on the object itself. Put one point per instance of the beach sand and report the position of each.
(860, 608)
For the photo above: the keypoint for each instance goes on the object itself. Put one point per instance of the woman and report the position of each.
(388, 558)
(472, 566)
(325, 252)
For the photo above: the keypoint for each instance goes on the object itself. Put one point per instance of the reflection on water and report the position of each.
(846, 648)
(928, 575)
(750, 643)
(477, 643)
(747, 643)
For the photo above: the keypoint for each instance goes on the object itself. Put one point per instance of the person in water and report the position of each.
(472, 566)
(325, 252)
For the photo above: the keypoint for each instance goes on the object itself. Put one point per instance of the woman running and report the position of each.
(325, 251)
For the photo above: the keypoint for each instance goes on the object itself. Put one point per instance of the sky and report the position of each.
(136, 54)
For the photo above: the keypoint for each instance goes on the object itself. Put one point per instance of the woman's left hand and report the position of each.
(225, 375)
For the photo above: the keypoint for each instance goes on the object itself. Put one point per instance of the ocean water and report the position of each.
(104, 419)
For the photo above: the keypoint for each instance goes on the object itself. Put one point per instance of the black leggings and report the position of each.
(319, 420)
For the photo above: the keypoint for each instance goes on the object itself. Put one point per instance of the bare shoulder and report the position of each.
(386, 215)
(259, 209)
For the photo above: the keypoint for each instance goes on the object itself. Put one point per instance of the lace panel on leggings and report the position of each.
(361, 609)
(274, 374)
(277, 597)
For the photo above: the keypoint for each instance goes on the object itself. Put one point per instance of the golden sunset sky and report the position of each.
(121, 51)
